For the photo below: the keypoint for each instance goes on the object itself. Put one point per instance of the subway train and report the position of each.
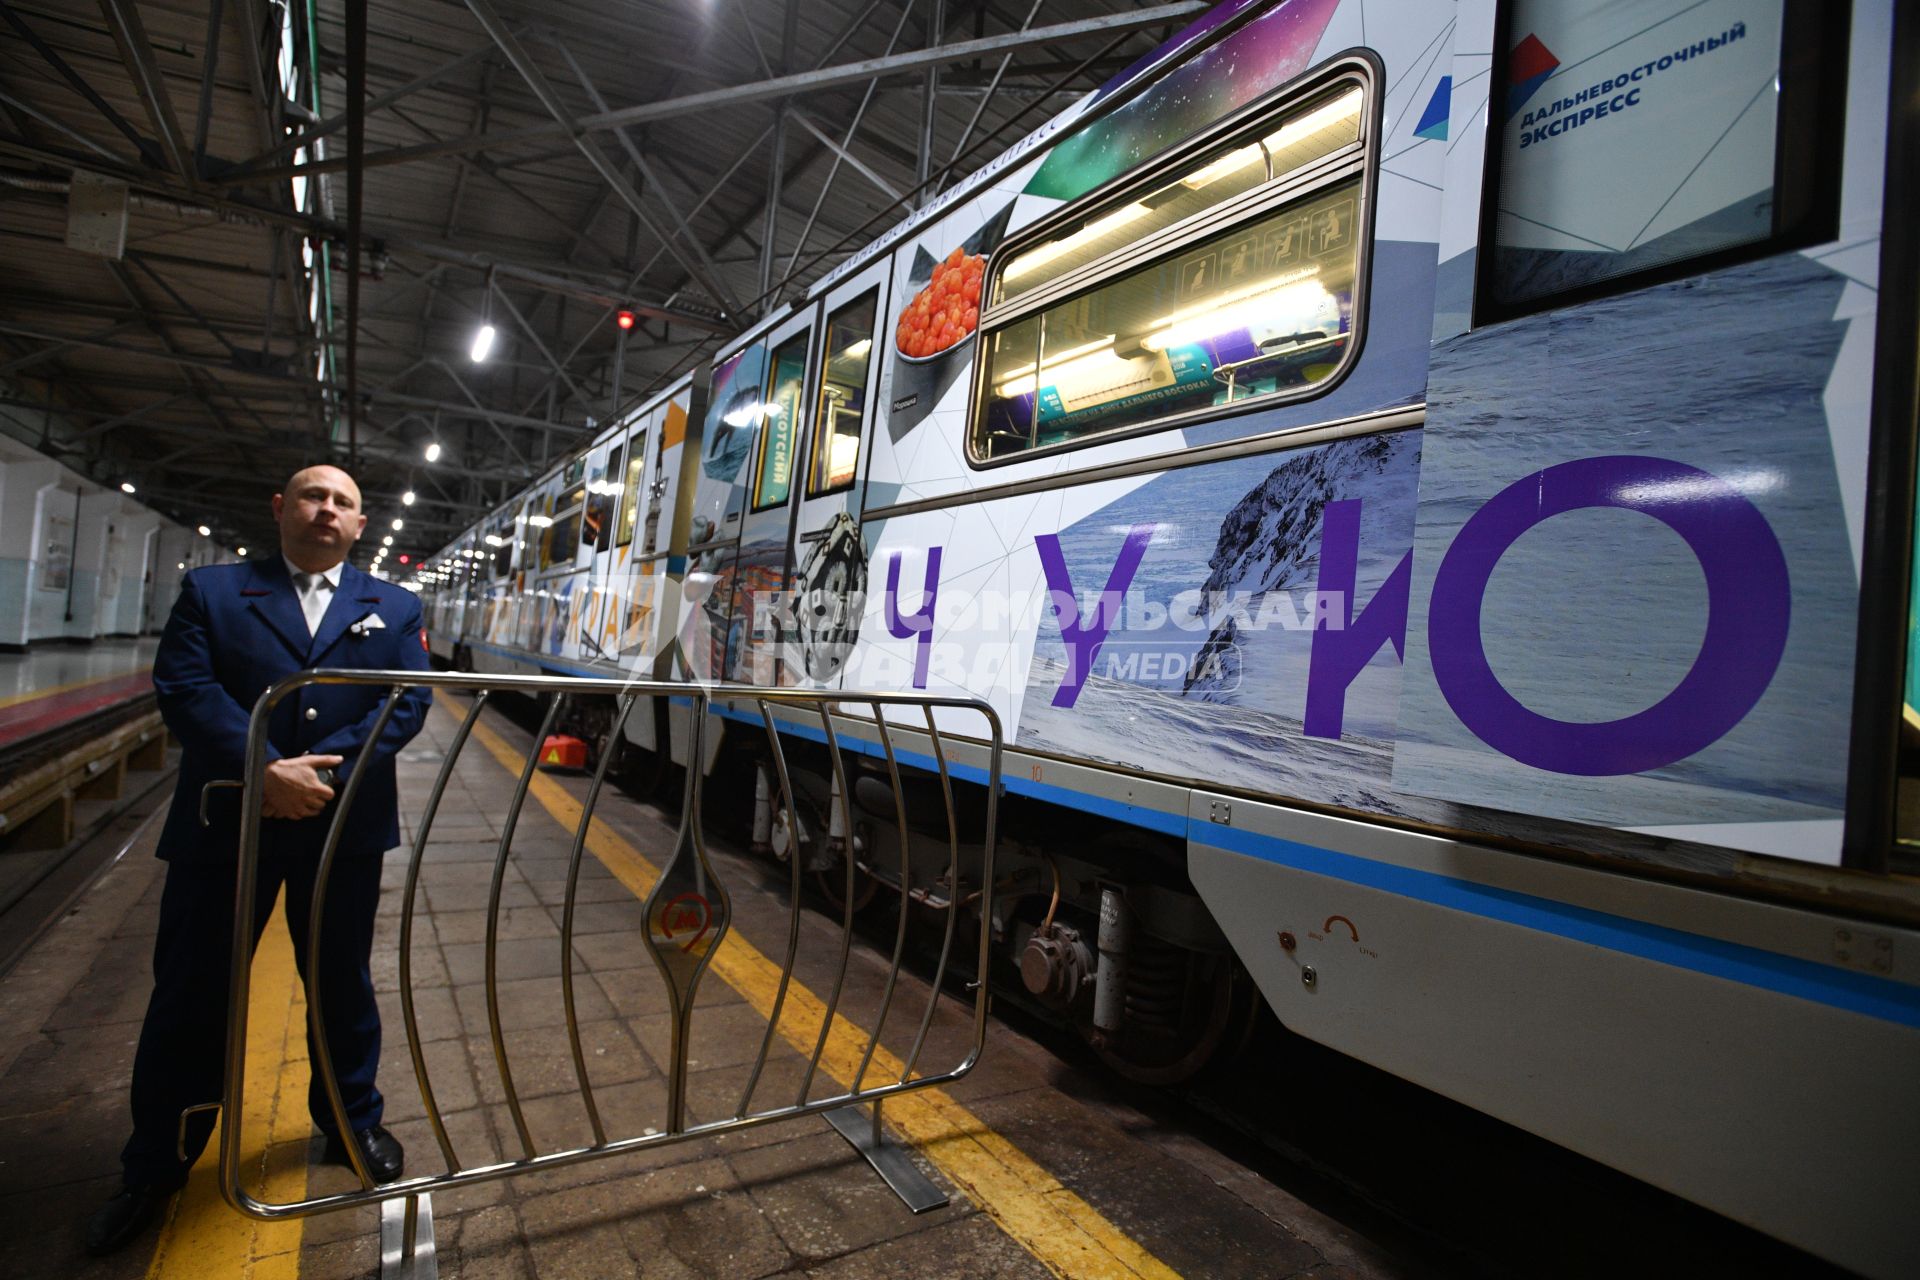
(1404, 475)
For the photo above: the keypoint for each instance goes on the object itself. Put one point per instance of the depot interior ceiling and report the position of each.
(176, 215)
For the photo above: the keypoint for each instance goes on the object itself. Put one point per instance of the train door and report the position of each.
(760, 560)
(565, 584)
(511, 588)
(826, 567)
(647, 524)
(534, 622)
(485, 630)
(653, 551)
(472, 585)
(596, 630)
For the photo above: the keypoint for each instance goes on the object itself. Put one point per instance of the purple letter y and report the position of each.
(1084, 636)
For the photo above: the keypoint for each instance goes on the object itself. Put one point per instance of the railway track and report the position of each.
(69, 798)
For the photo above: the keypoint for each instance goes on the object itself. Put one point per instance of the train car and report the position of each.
(1404, 474)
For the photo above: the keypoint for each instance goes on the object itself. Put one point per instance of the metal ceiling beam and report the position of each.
(718, 185)
(209, 64)
(48, 353)
(845, 152)
(506, 440)
(487, 169)
(137, 53)
(929, 101)
(536, 79)
(844, 246)
(121, 420)
(333, 124)
(40, 117)
(602, 288)
(266, 98)
(533, 336)
(213, 364)
(78, 83)
(639, 161)
(458, 410)
(608, 291)
(853, 127)
(195, 377)
(980, 107)
(769, 296)
(779, 87)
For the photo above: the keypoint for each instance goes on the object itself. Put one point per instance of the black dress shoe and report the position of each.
(385, 1157)
(122, 1218)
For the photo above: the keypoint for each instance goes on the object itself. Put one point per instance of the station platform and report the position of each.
(1051, 1170)
(44, 689)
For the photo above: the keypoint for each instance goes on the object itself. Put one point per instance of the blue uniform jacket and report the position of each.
(234, 631)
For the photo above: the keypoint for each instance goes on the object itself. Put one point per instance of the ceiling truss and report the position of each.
(534, 172)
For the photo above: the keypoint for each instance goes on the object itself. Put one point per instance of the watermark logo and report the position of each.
(1214, 668)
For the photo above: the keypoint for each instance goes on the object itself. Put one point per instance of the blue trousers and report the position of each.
(182, 1055)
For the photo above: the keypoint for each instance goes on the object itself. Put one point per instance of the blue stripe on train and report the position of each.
(1751, 966)
(1803, 979)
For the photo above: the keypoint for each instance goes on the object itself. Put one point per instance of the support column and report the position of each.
(930, 98)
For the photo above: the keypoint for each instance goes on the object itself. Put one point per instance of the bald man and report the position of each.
(235, 630)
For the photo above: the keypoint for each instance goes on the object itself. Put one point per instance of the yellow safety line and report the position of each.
(1059, 1228)
(203, 1237)
(14, 699)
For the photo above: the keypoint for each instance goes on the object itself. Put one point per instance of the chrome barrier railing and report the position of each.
(688, 894)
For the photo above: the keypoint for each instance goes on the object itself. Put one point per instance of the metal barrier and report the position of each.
(688, 892)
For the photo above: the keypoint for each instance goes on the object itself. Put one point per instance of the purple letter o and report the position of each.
(1748, 604)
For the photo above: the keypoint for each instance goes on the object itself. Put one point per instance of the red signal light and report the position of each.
(624, 319)
(405, 560)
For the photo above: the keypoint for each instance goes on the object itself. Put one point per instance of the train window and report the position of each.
(1306, 134)
(603, 499)
(562, 540)
(834, 456)
(1730, 129)
(540, 526)
(1228, 274)
(499, 540)
(779, 413)
(630, 489)
(559, 521)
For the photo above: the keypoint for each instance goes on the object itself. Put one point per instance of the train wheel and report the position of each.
(643, 773)
(1181, 1007)
(826, 867)
(832, 884)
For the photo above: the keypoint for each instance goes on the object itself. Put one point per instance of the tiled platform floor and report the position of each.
(790, 1199)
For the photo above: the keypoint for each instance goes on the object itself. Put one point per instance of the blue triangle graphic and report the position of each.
(1433, 121)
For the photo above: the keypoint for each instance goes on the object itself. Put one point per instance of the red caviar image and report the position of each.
(946, 311)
